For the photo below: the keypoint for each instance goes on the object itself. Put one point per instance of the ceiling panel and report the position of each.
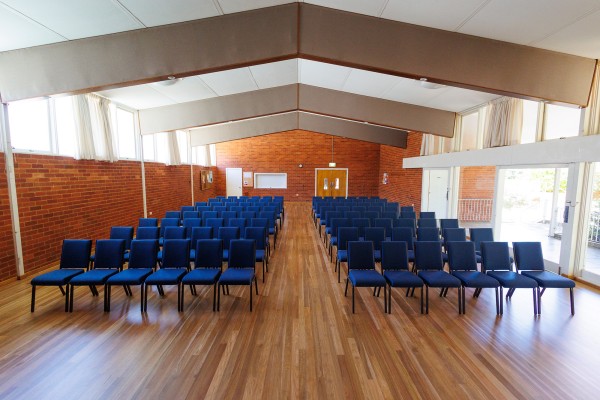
(323, 75)
(457, 100)
(230, 82)
(446, 15)
(233, 6)
(75, 19)
(160, 12)
(410, 91)
(275, 74)
(581, 38)
(369, 83)
(30, 33)
(367, 7)
(525, 22)
(137, 97)
(188, 89)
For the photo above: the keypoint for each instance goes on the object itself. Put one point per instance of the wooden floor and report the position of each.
(301, 341)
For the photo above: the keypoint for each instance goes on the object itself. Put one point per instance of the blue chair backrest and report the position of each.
(256, 209)
(187, 208)
(174, 232)
(407, 209)
(176, 253)
(219, 208)
(404, 234)
(237, 209)
(227, 234)
(148, 222)
(389, 214)
(375, 234)
(352, 214)
(479, 235)
(495, 256)
(75, 253)
(408, 214)
(258, 234)
(261, 222)
(200, 204)
(428, 234)
(215, 223)
(148, 232)
(372, 215)
(360, 209)
(242, 254)
(461, 256)
(336, 223)
(239, 222)
(227, 215)
(190, 214)
(428, 256)
(394, 256)
(528, 256)
(143, 253)
(209, 254)
(167, 222)
(361, 255)
(405, 223)
(122, 232)
(427, 214)
(173, 214)
(109, 254)
(361, 224)
(345, 235)
(247, 214)
(427, 223)
(198, 233)
(455, 235)
(209, 214)
(189, 224)
(269, 216)
(385, 223)
(447, 223)
(201, 209)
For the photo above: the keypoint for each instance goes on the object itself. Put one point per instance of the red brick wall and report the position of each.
(404, 185)
(7, 253)
(282, 152)
(477, 182)
(203, 195)
(167, 188)
(60, 197)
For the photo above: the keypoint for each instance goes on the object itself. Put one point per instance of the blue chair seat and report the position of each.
(260, 255)
(56, 278)
(366, 278)
(133, 276)
(548, 279)
(402, 279)
(225, 254)
(192, 254)
(93, 277)
(411, 255)
(271, 231)
(377, 255)
(439, 279)
(202, 276)
(167, 276)
(511, 279)
(476, 279)
(342, 255)
(333, 241)
(237, 276)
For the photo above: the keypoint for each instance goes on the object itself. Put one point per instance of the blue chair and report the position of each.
(219, 209)
(227, 234)
(214, 223)
(427, 223)
(396, 271)
(175, 264)
(209, 214)
(164, 224)
(404, 234)
(198, 233)
(142, 261)
(479, 235)
(263, 223)
(336, 223)
(271, 226)
(329, 217)
(376, 235)
(427, 215)
(372, 215)
(463, 265)
(171, 232)
(109, 261)
(361, 224)
(385, 223)
(74, 260)
(147, 232)
(240, 223)
(247, 214)
(258, 234)
(190, 214)
(407, 209)
(240, 269)
(186, 209)
(228, 215)
(173, 214)
(148, 222)
(202, 209)
(530, 262)
(430, 267)
(189, 224)
(208, 266)
(406, 223)
(345, 235)
(361, 269)
(448, 223)
(495, 261)
(120, 232)
(200, 204)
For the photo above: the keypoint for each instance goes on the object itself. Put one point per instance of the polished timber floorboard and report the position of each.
(301, 341)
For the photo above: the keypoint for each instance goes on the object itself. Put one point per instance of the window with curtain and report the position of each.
(504, 122)
(530, 121)
(182, 143)
(592, 112)
(125, 133)
(30, 125)
(469, 131)
(561, 121)
(213, 154)
(148, 144)
(65, 126)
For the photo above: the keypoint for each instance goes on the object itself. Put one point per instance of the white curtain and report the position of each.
(207, 157)
(592, 112)
(174, 157)
(428, 145)
(94, 132)
(504, 122)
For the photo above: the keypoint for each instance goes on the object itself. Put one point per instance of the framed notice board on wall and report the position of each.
(206, 179)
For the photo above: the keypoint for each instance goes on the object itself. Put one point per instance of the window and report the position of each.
(561, 121)
(182, 143)
(29, 125)
(530, 121)
(148, 143)
(162, 147)
(469, 131)
(125, 133)
(65, 126)
(213, 155)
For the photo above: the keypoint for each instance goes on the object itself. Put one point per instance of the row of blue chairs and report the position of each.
(107, 269)
(496, 271)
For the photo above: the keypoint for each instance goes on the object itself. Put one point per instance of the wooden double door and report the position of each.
(332, 182)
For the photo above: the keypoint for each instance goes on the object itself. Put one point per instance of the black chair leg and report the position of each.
(180, 295)
(421, 299)
(250, 296)
(426, 299)
(67, 297)
(107, 298)
(33, 298)
(61, 290)
(145, 302)
(142, 295)
(214, 297)
(339, 271)
(352, 299)
(572, 301)
(501, 300)
(385, 309)
(255, 286)
(71, 295)
(346, 291)
(536, 293)
(219, 296)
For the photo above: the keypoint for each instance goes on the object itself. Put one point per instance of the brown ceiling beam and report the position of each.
(452, 58)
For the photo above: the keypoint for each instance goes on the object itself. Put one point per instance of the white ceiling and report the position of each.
(571, 26)
(289, 72)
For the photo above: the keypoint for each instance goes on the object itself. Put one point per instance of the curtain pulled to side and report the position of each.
(504, 122)
(592, 112)
(83, 132)
(174, 158)
(94, 133)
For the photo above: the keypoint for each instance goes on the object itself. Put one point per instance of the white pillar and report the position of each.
(12, 190)
(141, 141)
